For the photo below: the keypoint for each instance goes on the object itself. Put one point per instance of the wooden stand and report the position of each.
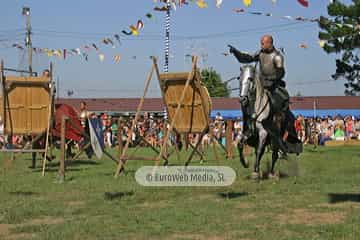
(27, 108)
(188, 105)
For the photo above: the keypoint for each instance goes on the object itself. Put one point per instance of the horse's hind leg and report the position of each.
(274, 158)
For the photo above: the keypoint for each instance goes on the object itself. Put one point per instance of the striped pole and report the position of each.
(167, 37)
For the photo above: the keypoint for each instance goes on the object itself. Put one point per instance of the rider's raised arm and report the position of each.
(245, 57)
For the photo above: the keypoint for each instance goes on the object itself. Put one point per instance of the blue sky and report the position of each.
(206, 32)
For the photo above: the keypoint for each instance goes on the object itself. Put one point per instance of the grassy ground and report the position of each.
(321, 202)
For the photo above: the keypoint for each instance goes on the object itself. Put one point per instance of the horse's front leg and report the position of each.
(240, 147)
(263, 134)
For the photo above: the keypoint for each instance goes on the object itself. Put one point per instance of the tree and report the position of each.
(341, 35)
(212, 81)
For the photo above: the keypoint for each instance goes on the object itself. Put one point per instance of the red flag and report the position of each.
(304, 3)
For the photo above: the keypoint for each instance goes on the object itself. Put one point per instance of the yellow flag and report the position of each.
(49, 52)
(134, 30)
(247, 2)
(201, 4)
(322, 43)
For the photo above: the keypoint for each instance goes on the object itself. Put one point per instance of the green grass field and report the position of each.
(318, 197)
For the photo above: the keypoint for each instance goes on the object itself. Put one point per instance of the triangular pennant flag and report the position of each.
(96, 48)
(117, 58)
(134, 30)
(304, 3)
(247, 3)
(126, 33)
(101, 57)
(201, 4)
(117, 37)
(322, 43)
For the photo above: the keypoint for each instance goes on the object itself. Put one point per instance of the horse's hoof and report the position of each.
(255, 176)
(272, 176)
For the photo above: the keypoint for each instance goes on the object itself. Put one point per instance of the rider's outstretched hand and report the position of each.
(231, 49)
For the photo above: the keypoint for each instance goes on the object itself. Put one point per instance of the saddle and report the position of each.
(279, 99)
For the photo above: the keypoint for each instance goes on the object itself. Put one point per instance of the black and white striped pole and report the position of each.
(167, 36)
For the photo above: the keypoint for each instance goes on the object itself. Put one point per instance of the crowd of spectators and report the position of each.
(152, 130)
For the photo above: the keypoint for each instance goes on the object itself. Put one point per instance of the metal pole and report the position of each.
(167, 36)
(28, 43)
(57, 88)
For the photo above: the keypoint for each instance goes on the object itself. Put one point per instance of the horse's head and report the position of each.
(247, 79)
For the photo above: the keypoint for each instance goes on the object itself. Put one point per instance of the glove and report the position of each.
(231, 49)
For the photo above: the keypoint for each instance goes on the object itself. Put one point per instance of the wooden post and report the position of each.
(229, 142)
(195, 148)
(51, 97)
(213, 142)
(137, 115)
(177, 111)
(176, 145)
(119, 136)
(62, 149)
(165, 132)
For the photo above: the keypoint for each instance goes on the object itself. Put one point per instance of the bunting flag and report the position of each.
(117, 58)
(303, 45)
(16, 45)
(117, 37)
(247, 3)
(85, 55)
(126, 33)
(218, 3)
(101, 57)
(135, 30)
(322, 43)
(201, 4)
(107, 41)
(94, 46)
(161, 9)
(304, 3)
(287, 17)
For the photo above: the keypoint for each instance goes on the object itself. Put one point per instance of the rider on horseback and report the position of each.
(271, 74)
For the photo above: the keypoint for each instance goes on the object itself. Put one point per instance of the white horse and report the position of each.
(265, 125)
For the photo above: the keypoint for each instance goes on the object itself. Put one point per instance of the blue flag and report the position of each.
(96, 136)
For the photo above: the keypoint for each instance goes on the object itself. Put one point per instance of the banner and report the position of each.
(96, 136)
